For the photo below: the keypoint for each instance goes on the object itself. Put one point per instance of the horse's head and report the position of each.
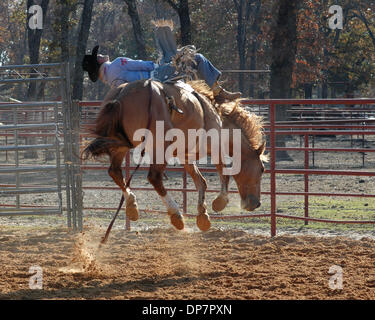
(248, 180)
(251, 158)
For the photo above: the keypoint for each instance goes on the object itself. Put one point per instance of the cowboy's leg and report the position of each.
(206, 70)
(209, 73)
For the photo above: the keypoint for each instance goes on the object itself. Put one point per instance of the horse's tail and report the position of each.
(109, 131)
(100, 146)
(108, 122)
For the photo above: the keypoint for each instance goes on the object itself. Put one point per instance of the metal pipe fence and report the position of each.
(55, 121)
(78, 116)
(273, 129)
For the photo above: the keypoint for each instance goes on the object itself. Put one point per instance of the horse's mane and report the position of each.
(250, 123)
(202, 88)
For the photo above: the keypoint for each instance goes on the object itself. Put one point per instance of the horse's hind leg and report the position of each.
(221, 200)
(116, 174)
(203, 220)
(155, 176)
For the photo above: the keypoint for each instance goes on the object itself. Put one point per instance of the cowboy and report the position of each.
(124, 69)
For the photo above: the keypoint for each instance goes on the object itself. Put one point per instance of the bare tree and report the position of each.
(137, 29)
(365, 21)
(64, 11)
(254, 43)
(284, 49)
(247, 10)
(83, 35)
(182, 9)
(34, 37)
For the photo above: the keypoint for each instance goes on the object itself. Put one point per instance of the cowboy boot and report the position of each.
(222, 94)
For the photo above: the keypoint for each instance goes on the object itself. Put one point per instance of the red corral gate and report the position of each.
(363, 125)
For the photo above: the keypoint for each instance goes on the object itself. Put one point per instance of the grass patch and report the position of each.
(337, 208)
(329, 208)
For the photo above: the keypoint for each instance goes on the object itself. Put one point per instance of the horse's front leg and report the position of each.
(222, 199)
(203, 219)
(116, 174)
(155, 176)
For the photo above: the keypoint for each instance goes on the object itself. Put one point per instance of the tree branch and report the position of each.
(364, 20)
(172, 4)
(236, 4)
(249, 9)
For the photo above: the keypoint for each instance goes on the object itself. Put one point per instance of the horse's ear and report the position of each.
(261, 149)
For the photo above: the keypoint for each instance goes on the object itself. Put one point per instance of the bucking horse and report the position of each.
(141, 104)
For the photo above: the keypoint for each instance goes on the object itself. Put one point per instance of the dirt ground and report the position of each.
(162, 263)
(154, 261)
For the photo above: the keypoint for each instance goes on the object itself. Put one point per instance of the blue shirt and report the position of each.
(124, 69)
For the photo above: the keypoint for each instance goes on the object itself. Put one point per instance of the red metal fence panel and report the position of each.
(274, 128)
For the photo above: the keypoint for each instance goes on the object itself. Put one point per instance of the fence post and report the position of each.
(77, 175)
(313, 153)
(272, 169)
(184, 192)
(306, 179)
(65, 94)
(363, 144)
(16, 156)
(6, 152)
(127, 175)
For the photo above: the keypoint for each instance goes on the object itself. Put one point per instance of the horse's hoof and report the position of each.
(132, 212)
(203, 222)
(219, 204)
(178, 221)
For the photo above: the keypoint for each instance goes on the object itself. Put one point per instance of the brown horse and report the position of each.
(141, 104)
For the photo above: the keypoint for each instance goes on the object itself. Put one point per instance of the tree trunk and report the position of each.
(20, 59)
(137, 29)
(324, 89)
(253, 65)
(284, 47)
(255, 31)
(183, 13)
(241, 41)
(325, 72)
(34, 37)
(246, 10)
(308, 90)
(182, 9)
(364, 20)
(159, 12)
(64, 34)
(83, 35)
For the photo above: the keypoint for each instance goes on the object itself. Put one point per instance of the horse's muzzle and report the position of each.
(250, 204)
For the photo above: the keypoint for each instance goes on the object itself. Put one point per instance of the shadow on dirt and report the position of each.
(83, 290)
